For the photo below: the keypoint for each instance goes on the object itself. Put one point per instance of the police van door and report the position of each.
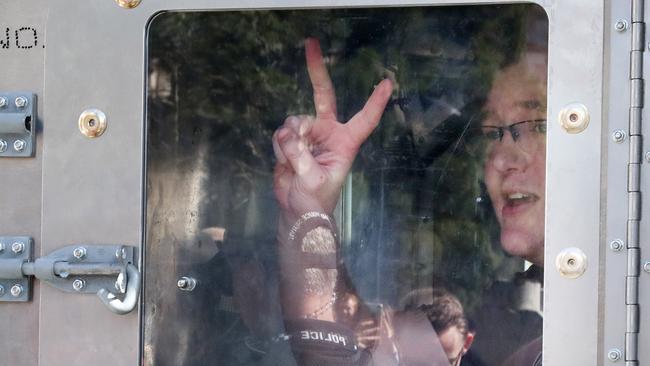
(367, 183)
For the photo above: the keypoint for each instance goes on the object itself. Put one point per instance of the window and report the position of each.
(439, 221)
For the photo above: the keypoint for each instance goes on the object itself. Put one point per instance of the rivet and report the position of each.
(3, 102)
(128, 4)
(78, 284)
(16, 290)
(574, 118)
(18, 247)
(621, 25)
(79, 253)
(619, 136)
(571, 262)
(617, 245)
(186, 283)
(614, 354)
(92, 123)
(2, 290)
(20, 102)
(646, 266)
(19, 145)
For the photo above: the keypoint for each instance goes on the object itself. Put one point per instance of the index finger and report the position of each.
(324, 96)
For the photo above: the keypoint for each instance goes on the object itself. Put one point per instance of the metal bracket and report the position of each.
(14, 251)
(85, 269)
(17, 124)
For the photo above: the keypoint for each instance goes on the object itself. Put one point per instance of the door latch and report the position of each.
(105, 270)
(17, 124)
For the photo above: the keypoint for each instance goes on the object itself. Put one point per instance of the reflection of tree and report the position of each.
(221, 83)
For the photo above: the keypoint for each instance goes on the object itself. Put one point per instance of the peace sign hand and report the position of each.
(314, 154)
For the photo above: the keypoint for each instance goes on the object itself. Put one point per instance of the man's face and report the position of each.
(455, 344)
(515, 171)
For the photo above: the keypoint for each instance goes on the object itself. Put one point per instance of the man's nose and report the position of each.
(507, 156)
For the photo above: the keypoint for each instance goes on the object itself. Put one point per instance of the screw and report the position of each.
(120, 253)
(3, 146)
(78, 284)
(617, 245)
(619, 136)
(647, 156)
(79, 253)
(18, 247)
(621, 25)
(21, 102)
(3, 102)
(614, 354)
(2, 290)
(2, 247)
(646, 266)
(16, 290)
(19, 145)
(186, 283)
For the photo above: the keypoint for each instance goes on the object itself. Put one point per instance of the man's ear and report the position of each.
(469, 339)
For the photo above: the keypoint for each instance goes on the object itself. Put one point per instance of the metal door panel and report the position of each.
(92, 189)
(22, 69)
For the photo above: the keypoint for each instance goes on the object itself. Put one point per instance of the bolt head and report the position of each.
(21, 102)
(617, 245)
(16, 290)
(647, 156)
(18, 247)
(3, 102)
(621, 25)
(79, 253)
(619, 136)
(646, 266)
(3, 146)
(614, 355)
(2, 290)
(182, 283)
(78, 284)
(2, 247)
(19, 145)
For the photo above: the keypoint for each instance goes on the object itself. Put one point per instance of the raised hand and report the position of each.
(315, 154)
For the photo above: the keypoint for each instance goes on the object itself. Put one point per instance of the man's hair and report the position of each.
(445, 311)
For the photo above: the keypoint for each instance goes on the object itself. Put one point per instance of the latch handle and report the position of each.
(127, 305)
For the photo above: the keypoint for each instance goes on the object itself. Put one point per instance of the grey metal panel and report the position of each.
(99, 182)
(617, 89)
(573, 213)
(21, 68)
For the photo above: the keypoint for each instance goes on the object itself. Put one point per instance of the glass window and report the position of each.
(346, 186)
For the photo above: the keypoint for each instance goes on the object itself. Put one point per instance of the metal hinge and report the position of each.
(634, 185)
(17, 124)
(85, 269)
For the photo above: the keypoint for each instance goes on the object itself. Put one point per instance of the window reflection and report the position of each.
(413, 253)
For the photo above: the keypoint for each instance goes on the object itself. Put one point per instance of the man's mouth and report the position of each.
(515, 199)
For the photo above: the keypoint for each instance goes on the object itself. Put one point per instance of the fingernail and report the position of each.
(278, 153)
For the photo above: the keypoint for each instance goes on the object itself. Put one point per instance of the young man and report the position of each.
(315, 154)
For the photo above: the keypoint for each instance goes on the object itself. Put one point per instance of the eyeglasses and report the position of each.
(528, 135)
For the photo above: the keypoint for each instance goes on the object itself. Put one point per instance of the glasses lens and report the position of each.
(528, 135)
